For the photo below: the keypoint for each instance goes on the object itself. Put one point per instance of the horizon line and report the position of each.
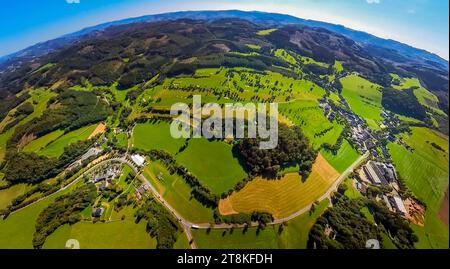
(221, 10)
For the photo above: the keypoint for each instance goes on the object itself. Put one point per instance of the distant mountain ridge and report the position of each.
(419, 55)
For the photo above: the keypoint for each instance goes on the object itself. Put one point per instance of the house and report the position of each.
(138, 159)
(98, 212)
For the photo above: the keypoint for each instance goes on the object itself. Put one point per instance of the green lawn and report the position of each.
(177, 193)
(148, 136)
(7, 195)
(310, 118)
(17, 230)
(426, 173)
(56, 148)
(266, 32)
(351, 191)
(285, 56)
(424, 96)
(237, 239)
(345, 156)
(42, 141)
(253, 46)
(122, 234)
(293, 236)
(39, 98)
(338, 68)
(122, 140)
(364, 98)
(213, 163)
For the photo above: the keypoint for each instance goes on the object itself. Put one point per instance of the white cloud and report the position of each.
(373, 1)
(72, 1)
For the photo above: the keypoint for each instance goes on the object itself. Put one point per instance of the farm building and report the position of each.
(398, 204)
(98, 212)
(375, 173)
(138, 159)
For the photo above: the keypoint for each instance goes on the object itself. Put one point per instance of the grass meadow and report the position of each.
(213, 163)
(425, 171)
(364, 98)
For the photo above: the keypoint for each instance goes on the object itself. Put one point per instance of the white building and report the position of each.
(138, 159)
(398, 203)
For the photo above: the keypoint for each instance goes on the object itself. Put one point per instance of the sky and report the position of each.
(421, 23)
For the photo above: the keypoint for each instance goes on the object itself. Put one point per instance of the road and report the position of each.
(186, 224)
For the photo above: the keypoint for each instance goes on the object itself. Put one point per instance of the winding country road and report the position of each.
(188, 225)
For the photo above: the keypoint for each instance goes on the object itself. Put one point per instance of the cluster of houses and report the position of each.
(373, 172)
(142, 190)
(328, 111)
(384, 174)
(104, 176)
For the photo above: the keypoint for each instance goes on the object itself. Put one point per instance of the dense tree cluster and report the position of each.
(74, 109)
(29, 167)
(343, 226)
(403, 102)
(160, 223)
(402, 234)
(65, 209)
(263, 218)
(10, 102)
(293, 149)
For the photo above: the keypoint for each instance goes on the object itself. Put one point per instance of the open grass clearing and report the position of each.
(148, 136)
(213, 163)
(364, 98)
(56, 148)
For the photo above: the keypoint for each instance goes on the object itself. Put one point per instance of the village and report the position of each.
(378, 171)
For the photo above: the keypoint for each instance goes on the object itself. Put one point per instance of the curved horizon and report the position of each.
(116, 11)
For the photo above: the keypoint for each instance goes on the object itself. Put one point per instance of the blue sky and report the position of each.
(421, 23)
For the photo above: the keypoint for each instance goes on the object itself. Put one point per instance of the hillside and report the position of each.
(85, 136)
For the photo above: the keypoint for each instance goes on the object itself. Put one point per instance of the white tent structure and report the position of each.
(138, 159)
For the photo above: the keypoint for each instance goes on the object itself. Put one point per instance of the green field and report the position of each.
(311, 120)
(338, 68)
(425, 97)
(426, 172)
(7, 195)
(122, 140)
(364, 99)
(39, 98)
(266, 32)
(293, 236)
(351, 192)
(253, 46)
(17, 230)
(214, 83)
(345, 156)
(42, 141)
(121, 234)
(213, 163)
(148, 136)
(285, 56)
(177, 193)
(56, 148)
